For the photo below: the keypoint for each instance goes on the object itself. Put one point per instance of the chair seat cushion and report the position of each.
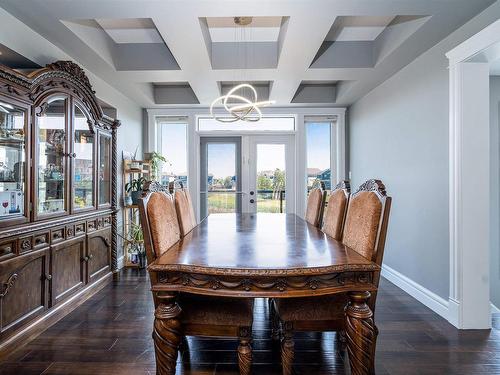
(311, 308)
(197, 309)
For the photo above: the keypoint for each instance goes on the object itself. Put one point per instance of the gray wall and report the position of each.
(494, 191)
(399, 133)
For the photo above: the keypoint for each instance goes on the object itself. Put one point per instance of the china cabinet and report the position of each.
(58, 172)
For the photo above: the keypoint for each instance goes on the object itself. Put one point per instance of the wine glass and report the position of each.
(5, 204)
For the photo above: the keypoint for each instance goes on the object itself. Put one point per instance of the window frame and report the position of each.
(165, 120)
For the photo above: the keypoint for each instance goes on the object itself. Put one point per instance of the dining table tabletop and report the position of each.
(274, 256)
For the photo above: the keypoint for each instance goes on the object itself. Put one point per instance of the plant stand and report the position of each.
(130, 212)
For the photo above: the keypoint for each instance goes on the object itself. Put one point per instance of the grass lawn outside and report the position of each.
(226, 202)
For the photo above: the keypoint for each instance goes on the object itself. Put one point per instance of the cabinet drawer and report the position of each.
(57, 235)
(91, 225)
(107, 221)
(79, 229)
(103, 222)
(41, 240)
(7, 249)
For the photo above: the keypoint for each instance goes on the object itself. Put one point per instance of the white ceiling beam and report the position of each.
(187, 45)
(301, 43)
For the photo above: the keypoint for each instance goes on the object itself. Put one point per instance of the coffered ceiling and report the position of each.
(296, 52)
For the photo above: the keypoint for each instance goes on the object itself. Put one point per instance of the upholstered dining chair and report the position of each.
(364, 230)
(315, 205)
(185, 211)
(336, 209)
(201, 315)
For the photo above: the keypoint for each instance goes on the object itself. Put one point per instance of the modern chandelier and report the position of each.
(237, 105)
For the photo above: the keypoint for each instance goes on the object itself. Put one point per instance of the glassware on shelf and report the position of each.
(83, 179)
(51, 156)
(12, 159)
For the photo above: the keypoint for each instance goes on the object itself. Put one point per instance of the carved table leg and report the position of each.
(361, 334)
(167, 333)
(287, 348)
(245, 350)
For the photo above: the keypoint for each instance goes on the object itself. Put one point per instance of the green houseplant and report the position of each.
(134, 188)
(156, 160)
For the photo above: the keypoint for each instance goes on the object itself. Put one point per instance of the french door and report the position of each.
(247, 174)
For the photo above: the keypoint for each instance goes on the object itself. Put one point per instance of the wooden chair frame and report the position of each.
(242, 333)
(287, 328)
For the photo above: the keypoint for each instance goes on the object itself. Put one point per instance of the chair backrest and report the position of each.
(336, 209)
(315, 205)
(366, 221)
(158, 220)
(185, 211)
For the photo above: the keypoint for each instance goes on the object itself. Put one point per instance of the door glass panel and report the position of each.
(318, 154)
(104, 169)
(12, 160)
(271, 178)
(51, 157)
(83, 162)
(220, 182)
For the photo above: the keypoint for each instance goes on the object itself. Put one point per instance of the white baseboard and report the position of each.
(494, 309)
(434, 302)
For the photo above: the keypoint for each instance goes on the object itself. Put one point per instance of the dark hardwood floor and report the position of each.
(111, 334)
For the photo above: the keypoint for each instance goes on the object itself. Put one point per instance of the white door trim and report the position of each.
(469, 221)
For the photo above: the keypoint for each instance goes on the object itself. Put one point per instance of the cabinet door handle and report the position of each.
(90, 256)
(85, 259)
(48, 277)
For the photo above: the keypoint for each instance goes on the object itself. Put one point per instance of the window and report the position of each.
(267, 124)
(172, 144)
(318, 135)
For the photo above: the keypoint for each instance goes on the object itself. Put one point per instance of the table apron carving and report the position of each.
(276, 286)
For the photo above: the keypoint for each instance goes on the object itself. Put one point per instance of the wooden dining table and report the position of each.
(263, 255)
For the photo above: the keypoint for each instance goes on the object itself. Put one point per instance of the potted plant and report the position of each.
(134, 188)
(135, 240)
(156, 160)
(127, 200)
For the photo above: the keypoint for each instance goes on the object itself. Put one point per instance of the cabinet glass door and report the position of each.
(83, 157)
(12, 161)
(52, 157)
(104, 169)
